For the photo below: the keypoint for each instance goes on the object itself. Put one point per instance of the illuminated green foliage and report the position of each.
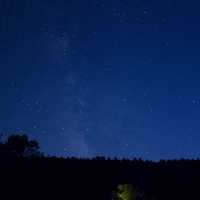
(128, 192)
(125, 192)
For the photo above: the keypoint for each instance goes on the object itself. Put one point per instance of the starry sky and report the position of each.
(102, 77)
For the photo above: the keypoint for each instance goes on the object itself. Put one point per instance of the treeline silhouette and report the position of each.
(26, 173)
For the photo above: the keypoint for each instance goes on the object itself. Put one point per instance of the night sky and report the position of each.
(102, 77)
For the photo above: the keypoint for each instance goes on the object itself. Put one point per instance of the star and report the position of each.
(35, 127)
(145, 12)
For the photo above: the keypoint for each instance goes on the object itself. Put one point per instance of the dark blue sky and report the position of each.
(102, 77)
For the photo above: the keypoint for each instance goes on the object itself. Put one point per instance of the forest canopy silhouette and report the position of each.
(23, 165)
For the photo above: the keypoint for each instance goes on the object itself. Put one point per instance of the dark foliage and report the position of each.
(22, 177)
(19, 146)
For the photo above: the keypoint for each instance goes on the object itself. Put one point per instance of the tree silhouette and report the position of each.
(20, 146)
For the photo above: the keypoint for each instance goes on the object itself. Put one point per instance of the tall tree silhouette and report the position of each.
(20, 146)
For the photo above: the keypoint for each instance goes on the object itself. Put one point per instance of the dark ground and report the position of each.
(43, 178)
